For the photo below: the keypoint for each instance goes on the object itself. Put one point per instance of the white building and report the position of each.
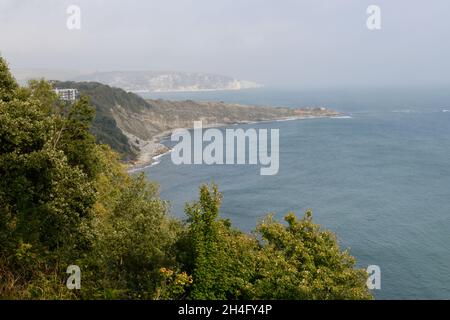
(67, 94)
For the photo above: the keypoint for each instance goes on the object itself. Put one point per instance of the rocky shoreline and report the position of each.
(150, 150)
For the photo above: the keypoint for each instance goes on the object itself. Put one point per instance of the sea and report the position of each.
(379, 178)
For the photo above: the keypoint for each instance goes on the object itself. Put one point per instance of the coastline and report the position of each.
(149, 151)
(153, 149)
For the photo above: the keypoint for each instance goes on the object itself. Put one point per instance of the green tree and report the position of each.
(8, 84)
(45, 201)
(297, 261)
(43, 95)
(220, 258)
(302, 261)
(135, 240)
(205, 246)
(75, 139)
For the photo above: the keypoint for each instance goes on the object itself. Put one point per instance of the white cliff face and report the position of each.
(141, 81)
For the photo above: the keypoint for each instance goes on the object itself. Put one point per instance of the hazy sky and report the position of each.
(275, 42)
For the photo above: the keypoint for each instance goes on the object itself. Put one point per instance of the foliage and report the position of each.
(297, 261)
(8, 85)
(134, 242)
(173, 284)
(65, 199)
(300, 261)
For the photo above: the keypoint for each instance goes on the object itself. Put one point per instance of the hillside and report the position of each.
(105, 99)
(164, 115)
(133, 126)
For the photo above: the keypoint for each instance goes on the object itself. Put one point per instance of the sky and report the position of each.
(299, 43)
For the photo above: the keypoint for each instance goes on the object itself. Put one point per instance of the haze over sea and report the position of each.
(380, 180)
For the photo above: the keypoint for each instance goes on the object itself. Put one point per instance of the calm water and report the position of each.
(380, 180)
